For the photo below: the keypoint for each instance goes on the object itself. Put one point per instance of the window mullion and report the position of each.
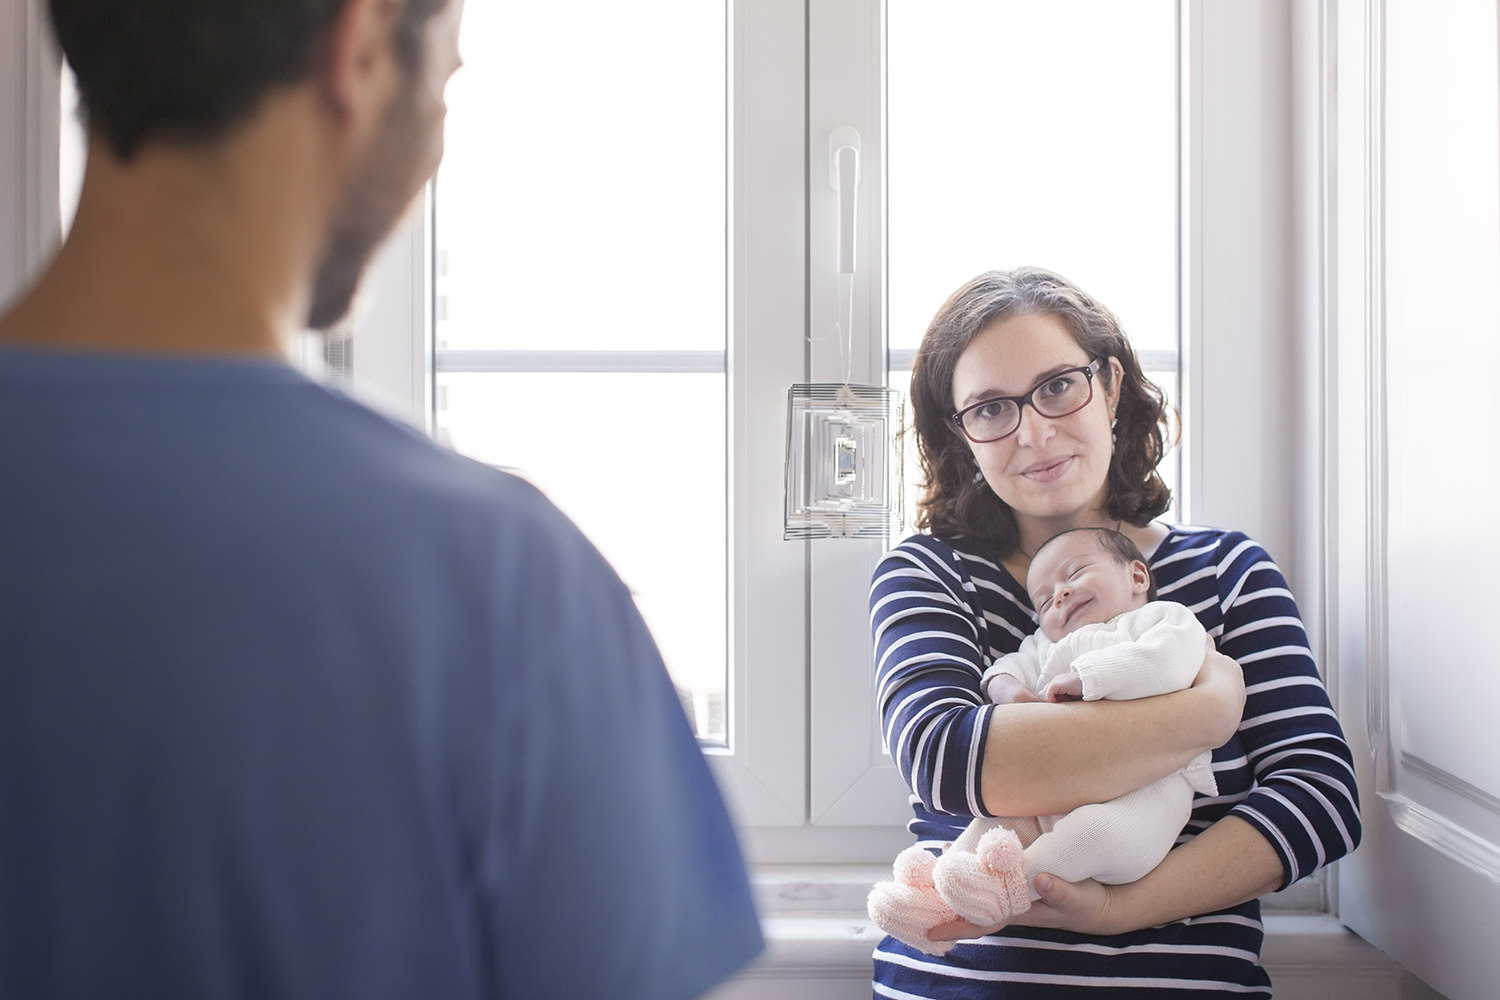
(764, 773)
(852, 780)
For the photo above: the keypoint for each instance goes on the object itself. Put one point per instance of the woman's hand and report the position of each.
(1220, 687)
(1223, 866)
(1082, 907)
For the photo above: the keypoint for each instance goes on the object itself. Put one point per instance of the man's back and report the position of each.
(290, 703)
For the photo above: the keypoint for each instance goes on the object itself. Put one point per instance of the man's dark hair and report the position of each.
(190, 70)
(1118, 546)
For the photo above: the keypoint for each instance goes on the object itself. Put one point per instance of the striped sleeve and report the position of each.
(1304, 799)
(928, 642)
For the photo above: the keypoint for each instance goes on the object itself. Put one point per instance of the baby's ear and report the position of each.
(1140, 577)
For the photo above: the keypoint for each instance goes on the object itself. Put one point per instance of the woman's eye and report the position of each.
(989, 411)
(1058, 386)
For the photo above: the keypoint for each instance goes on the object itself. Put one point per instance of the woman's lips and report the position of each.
(1047, 471)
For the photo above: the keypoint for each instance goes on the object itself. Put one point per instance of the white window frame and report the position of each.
(763, 772)
(1248, 281)
(806, 777)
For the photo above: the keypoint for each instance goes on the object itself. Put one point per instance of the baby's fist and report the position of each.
(1068, 687)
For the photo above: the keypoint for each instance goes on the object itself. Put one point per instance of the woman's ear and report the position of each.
(1116, 380)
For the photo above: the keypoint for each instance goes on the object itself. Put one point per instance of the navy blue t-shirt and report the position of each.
(294, 703)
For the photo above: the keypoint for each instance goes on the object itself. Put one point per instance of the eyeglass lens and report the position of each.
(1056, 397)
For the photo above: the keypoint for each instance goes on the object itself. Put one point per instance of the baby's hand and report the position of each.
(1003, 689)
(1068, 687)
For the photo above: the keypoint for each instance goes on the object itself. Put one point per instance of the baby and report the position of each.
(1102, 635)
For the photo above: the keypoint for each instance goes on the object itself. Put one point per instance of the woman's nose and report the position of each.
(1034, 430)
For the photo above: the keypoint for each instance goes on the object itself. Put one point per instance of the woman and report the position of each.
(1033, 416)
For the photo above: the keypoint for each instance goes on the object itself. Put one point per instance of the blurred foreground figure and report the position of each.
(294, 703)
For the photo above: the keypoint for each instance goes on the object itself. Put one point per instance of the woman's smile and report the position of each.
(1048, 469)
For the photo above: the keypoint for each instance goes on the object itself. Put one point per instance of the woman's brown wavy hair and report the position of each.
(953, 504)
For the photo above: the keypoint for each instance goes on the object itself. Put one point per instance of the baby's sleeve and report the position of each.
(1025, 665)
(1153, 650)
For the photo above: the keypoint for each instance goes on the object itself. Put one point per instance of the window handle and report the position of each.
(843, 173)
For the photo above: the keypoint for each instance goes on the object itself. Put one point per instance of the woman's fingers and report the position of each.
(960, 930)
(1223, 683)
(1074, 906)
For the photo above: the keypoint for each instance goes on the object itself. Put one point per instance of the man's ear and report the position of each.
(1140, 577)
(357, 67)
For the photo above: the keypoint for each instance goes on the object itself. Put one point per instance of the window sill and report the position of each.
(819, 941)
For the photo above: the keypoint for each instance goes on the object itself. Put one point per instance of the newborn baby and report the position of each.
(1102, 635)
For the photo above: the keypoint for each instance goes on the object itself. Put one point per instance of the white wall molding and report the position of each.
(1414, 242)
(29, 85)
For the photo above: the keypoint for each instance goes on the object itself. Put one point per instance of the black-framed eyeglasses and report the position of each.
(1057, 395)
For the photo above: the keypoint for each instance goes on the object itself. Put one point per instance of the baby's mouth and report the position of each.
(1073, 609)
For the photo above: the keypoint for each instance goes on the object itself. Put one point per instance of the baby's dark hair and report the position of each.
(1119, 547)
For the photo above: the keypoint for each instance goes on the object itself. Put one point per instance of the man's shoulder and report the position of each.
(401, 458)
(431, 489)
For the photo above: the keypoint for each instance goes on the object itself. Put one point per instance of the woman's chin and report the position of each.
(1056, 503)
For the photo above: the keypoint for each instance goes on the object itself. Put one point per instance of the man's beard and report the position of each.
(376, 196)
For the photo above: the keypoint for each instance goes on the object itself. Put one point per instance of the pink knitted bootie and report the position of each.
(987, 887)
(908, 908)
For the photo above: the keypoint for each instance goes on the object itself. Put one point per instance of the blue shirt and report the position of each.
(294, 703)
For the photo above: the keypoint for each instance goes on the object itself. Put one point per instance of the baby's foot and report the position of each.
(987, 887)
(908, 908)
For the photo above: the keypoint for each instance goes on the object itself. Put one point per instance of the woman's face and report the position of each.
(1050, 469)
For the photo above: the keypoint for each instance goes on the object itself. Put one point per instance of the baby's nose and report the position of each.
(1062, 594)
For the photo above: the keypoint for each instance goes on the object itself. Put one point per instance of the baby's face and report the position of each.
(1074, 581)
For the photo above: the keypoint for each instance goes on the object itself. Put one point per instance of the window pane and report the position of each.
(581, 204)
(72, 151)
(1033, 133)
(638, 461)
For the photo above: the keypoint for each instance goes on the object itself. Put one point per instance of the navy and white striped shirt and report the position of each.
(941, 614)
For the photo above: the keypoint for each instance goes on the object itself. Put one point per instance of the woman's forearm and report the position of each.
(1041, 759)
(1224, 866)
